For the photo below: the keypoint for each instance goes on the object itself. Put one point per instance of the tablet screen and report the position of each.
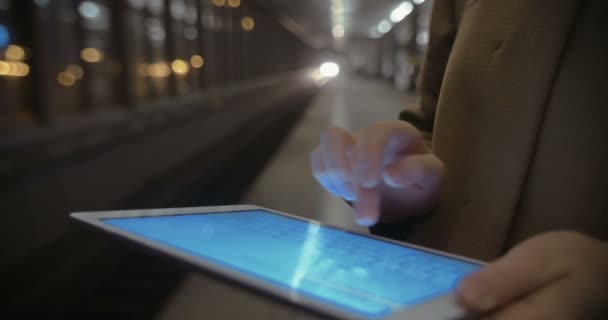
(358, 274)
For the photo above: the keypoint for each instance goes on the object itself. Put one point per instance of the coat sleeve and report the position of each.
(444, 26)
(445, 19)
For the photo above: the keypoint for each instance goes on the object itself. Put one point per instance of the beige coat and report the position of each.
(519, 92)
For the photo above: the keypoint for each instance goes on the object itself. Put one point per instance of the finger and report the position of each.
(558, 301)
(527, 267)
(424, 172)
(319, 171)
(325, 178)
(367, 207)
(336, 143)
(379, 145)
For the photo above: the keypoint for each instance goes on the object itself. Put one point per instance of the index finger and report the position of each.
(382, 144)
(338, 142)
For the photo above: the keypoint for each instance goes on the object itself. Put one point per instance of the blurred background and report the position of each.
(122, 104)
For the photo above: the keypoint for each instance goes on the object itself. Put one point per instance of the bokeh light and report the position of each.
(14, 52)
(14, 69)
(41, 3)
(234, 3)
(76, 70)
(384, 26)
(219, 3)
(66, 79)
(197, 61)
(91, 55)
(338, 31)
(23, 69)
(180, 67)
(401, 12)
(5, 37)
(329, 69)
(247, 23)
(4, 68)
(89, 9)
(158, 70)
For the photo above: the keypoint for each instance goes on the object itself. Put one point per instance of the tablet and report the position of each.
(327, 270)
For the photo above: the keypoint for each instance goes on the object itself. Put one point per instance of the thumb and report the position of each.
(532, 265)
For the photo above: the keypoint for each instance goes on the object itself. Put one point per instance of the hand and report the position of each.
(559, 275)
(386, 170)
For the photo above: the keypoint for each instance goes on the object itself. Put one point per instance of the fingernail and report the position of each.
(348, 197)
(332, 189)
(367, 206)
(364, 178)
(390, 180)
(349, 191)
(365, 221)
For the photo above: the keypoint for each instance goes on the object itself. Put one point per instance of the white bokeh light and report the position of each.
(329, 69)
(385, 26)
(89, 10)
(401, 12)
(338, 31)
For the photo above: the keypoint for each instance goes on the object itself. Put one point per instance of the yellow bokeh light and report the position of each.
(247, 23)
(4, 68)
(219, 3)
(23, 68)
(197, 61)
(234, 3)
(14, 52)
(158, 70)
(66, 79)
(75, 70)
(91, 55)
(14, 69)
(180, 67)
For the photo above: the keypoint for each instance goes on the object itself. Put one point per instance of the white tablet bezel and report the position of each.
(440, 308)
